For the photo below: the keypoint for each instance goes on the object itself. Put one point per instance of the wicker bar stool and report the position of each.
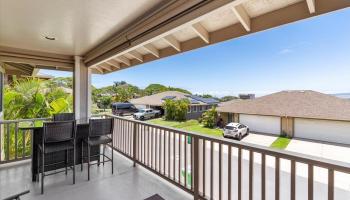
(57, 136)
(99, 131)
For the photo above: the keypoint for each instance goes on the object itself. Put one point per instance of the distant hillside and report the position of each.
(157, 88)
(343, 95)
(122, 91)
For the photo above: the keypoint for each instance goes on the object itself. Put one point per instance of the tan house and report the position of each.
(302, 114)
(197, 104)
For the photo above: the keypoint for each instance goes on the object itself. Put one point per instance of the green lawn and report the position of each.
(280, 143)
(190, 125)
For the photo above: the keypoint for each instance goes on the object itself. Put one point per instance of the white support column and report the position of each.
(82, 89)
(2, 71)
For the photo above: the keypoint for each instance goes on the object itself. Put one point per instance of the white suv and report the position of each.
(236, 130)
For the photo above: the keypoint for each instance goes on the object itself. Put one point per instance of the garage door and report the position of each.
(262, 124)
(323, 130)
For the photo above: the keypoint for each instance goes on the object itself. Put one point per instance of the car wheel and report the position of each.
(142, 118)
(240, 137)
(247, 131)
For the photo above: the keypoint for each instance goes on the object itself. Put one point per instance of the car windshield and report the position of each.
(142, 111)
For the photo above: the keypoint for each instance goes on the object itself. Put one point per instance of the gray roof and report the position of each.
(303, 104)
(158, 99)
(209, 101)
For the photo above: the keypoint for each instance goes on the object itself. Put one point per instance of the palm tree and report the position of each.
(31, 98)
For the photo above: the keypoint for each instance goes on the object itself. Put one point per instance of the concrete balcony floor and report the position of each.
(127, 183)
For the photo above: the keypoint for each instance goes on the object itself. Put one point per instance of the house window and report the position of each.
(229, 117)
(194, 109)
(200, 108)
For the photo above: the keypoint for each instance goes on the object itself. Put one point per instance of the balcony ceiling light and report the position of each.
(49, 38)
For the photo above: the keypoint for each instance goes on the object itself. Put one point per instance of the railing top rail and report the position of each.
(36, 119)
(308, 159)
(22, 120)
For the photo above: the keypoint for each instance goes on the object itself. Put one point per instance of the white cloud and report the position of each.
(285, 51)
(292, 48)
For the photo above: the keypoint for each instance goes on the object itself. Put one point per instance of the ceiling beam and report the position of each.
(136, 55)
(124, 60)
(97, 68)
(152, 49)
(172, 41)
(311, 6)
(106, 66)
(9, 54)
(285, 15)
(114, 63)
(201, 32)
(242, 16)
(166, 15)
(18, 67)
(35, 71)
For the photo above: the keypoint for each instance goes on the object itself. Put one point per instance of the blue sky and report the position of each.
(310, 54)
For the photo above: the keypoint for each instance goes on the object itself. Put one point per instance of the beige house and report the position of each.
(197, 104)
(301, 114)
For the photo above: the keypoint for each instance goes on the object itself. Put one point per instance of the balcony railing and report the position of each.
(16, 143)
(205, 167)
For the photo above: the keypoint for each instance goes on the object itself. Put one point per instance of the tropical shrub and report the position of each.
(209, 117)
(181, 108)
(175, 109)
(32, 98)
(169, 108)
